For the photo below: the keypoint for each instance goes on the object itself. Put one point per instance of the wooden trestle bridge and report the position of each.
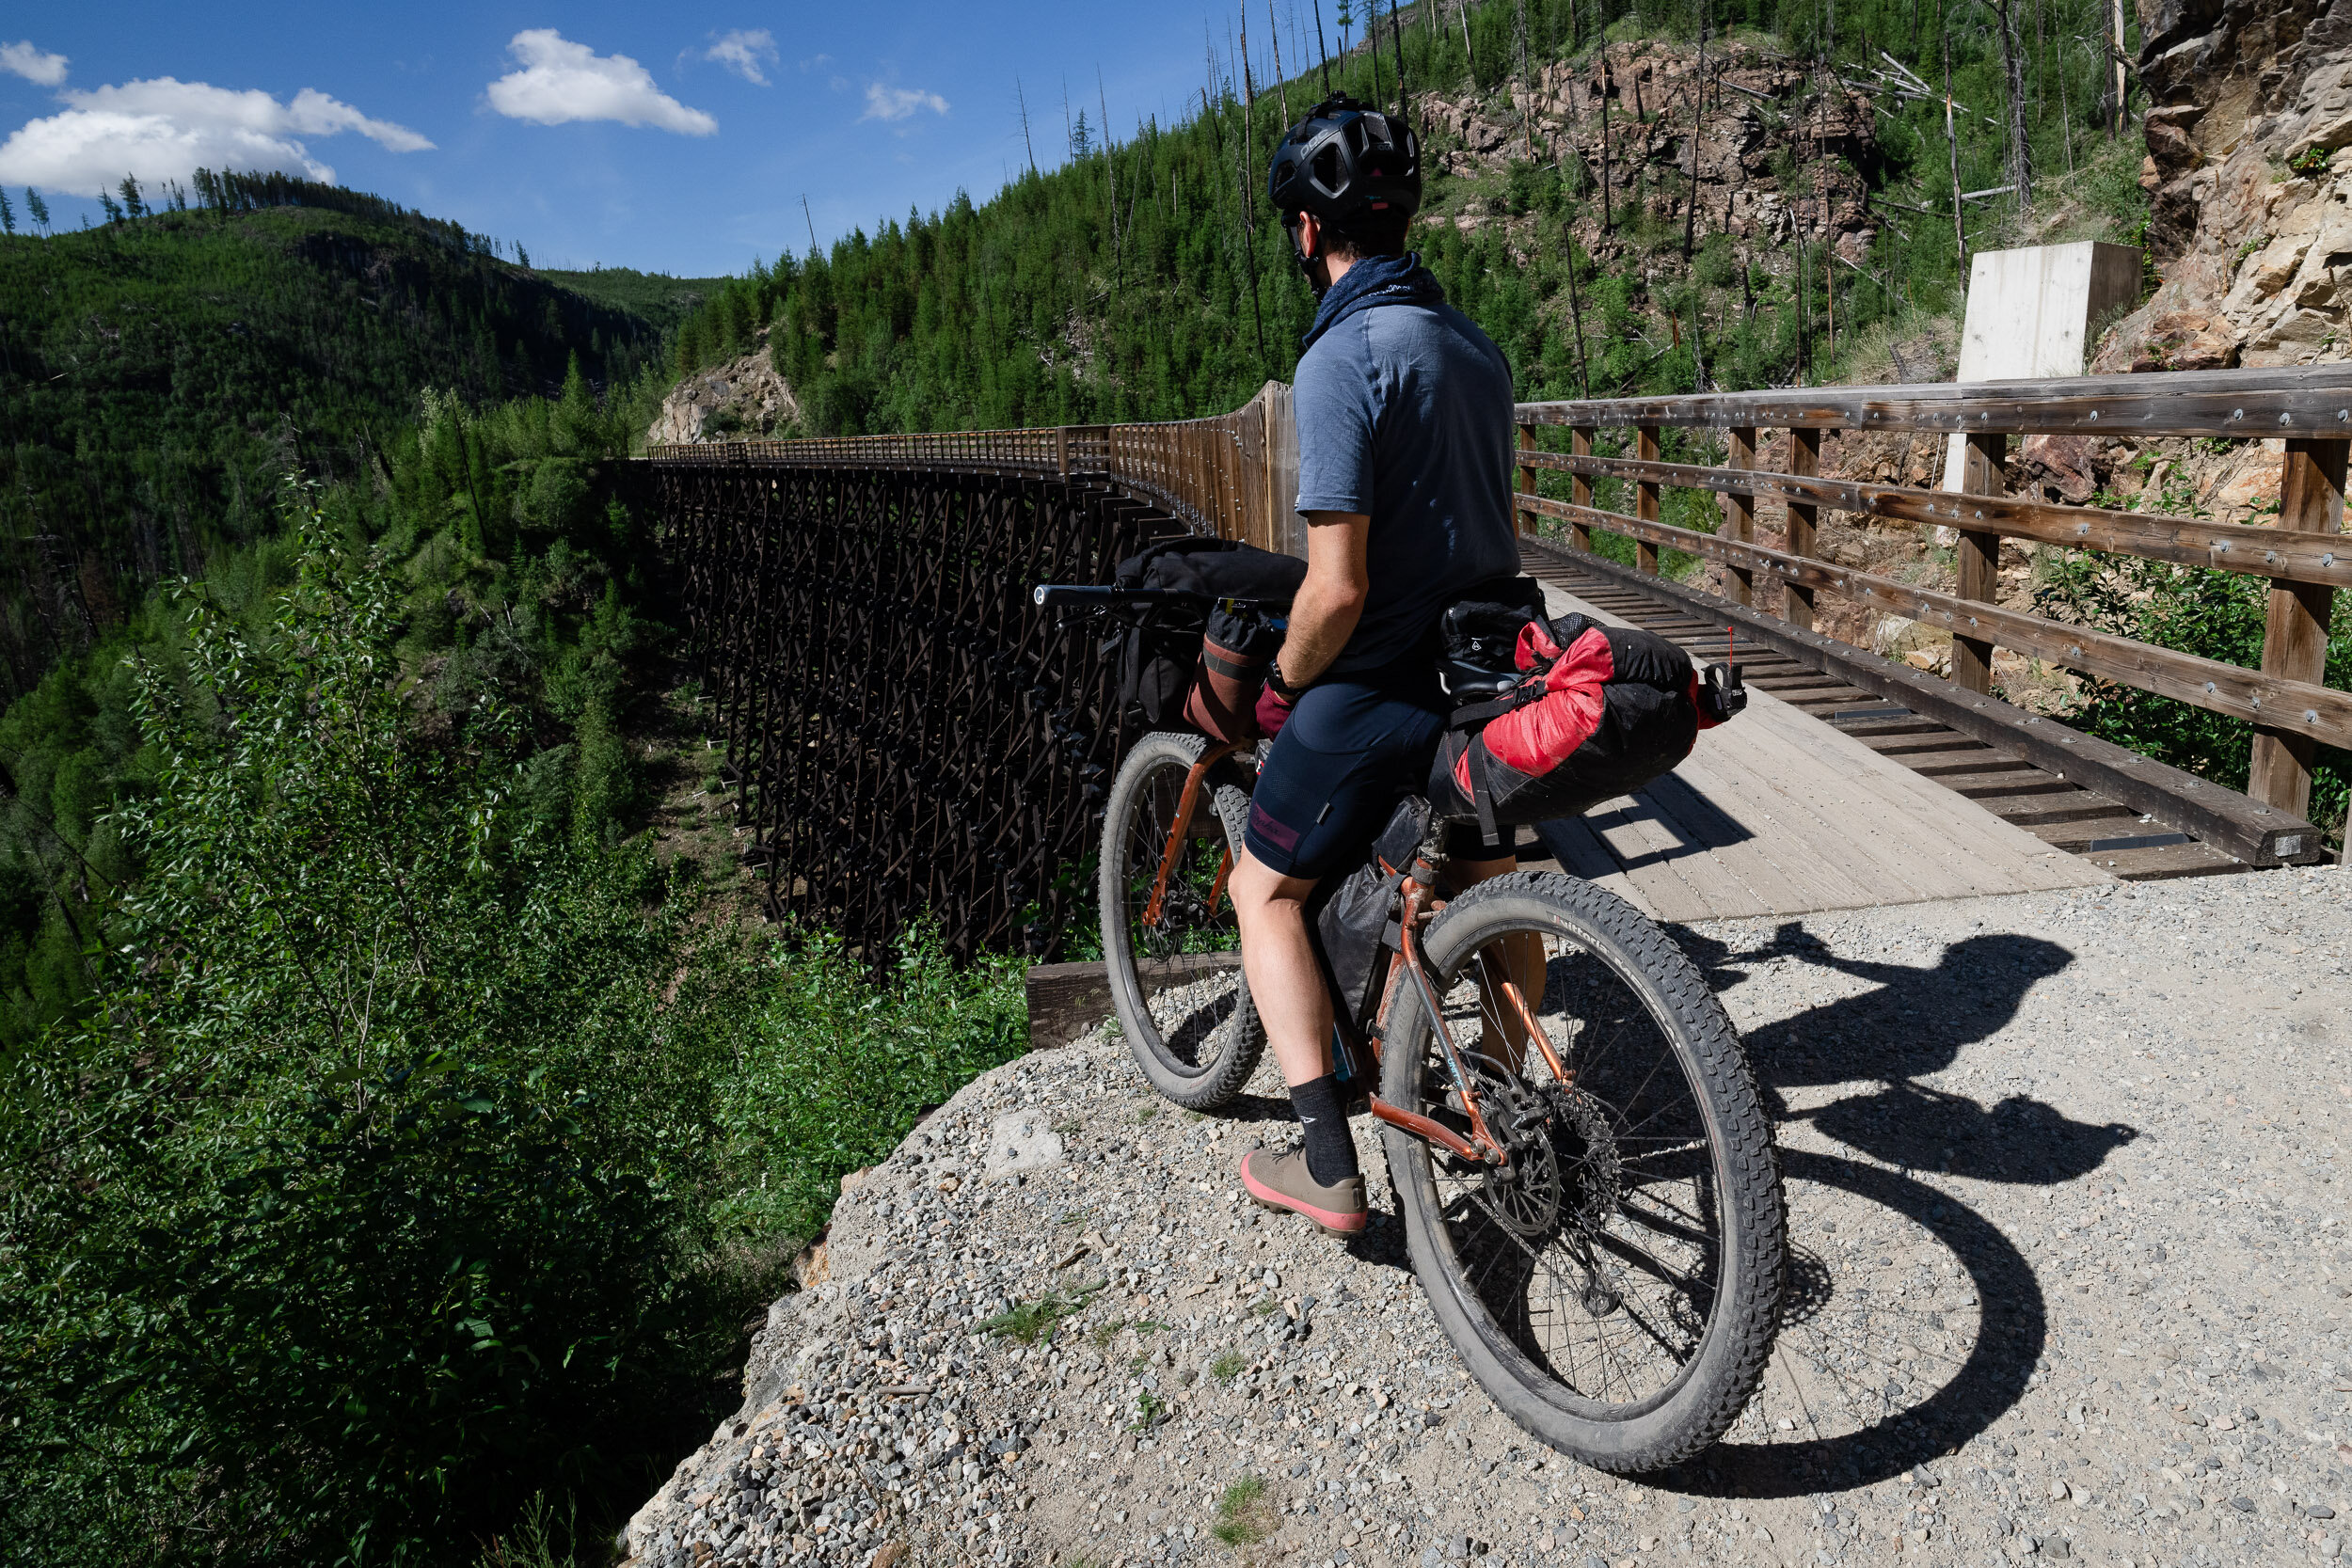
(909, 732)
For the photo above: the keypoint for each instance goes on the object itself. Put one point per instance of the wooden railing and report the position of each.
(2306, 557)
(1235, 475)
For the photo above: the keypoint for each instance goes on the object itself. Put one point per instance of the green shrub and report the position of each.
(833, 1069)
(2216, 616)
(366, 1203)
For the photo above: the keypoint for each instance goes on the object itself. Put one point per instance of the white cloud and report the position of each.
(164, 129)
(742, 52)
(565, 80)
(22, 59)
(895, 104)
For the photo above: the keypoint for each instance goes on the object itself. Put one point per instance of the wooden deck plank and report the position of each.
(1780, 813)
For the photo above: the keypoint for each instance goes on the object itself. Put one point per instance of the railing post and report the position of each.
(1645, 498)
(1740, 511)
(1805, 460)
(1061, 450)
(1523, 520)
(2295, 632)
(1980, 558)
(1580, 487)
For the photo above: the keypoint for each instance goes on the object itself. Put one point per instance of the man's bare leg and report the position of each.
(1322, 1181)
(1279, 956)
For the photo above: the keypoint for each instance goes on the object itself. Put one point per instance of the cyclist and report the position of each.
(1405, 457)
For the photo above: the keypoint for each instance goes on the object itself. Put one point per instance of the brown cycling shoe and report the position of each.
(1280, 1181)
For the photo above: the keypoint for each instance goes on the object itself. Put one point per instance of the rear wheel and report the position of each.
(1614, 1287)
(1175, 969)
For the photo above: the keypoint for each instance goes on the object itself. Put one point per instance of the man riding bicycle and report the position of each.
(1404, 442)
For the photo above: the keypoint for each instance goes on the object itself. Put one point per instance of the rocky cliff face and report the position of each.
(741, 399)
(2249, 183)
(1755, 116)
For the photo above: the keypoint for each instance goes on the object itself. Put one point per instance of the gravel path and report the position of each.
(2067, 1183)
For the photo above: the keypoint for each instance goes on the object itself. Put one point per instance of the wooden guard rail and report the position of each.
(2306, 558)
(1226, 475)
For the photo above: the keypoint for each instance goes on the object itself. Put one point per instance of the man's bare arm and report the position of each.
(1331, 600)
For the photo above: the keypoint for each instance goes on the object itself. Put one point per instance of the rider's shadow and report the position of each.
(1918, 1021)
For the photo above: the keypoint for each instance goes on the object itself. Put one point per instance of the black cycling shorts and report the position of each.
(1348, 751)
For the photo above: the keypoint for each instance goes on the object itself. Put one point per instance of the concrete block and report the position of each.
(2030, 312)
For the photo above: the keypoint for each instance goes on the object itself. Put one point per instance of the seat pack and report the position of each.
(1575, 713)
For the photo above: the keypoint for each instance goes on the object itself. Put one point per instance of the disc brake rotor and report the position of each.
(1525, 1193)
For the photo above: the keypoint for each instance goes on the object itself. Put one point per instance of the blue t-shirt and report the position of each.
(1405, 414)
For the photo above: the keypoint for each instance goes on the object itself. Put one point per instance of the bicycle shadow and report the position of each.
(1920, 1019)
(2012, 1329)
(1918, 1023)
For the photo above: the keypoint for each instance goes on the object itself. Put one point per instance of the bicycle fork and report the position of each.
(1186, 803)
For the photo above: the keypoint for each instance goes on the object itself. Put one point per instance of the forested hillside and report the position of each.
(1630, 197)
(160, 374)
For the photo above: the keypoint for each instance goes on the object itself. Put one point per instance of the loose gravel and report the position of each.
(2067, 1181)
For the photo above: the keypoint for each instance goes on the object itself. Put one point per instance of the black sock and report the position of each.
(1330, 1150)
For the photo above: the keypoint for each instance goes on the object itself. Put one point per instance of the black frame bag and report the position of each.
(1355, 915)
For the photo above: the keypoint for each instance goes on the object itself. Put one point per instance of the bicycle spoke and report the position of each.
(1613, 1304)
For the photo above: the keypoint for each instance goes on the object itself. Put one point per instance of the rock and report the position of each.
(743, 398)
(2176, 341)
(2267, 272)
(2061, 461)
(1018, 1143)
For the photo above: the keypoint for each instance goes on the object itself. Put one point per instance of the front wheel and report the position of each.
(1616, 1286)
(1170, 944)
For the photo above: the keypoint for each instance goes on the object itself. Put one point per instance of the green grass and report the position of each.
(1243, 1515)
(1150, 1407)
(1227, 1367)
(1033, 1321)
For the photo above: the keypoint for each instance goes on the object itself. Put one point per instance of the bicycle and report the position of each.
(1590, 1191)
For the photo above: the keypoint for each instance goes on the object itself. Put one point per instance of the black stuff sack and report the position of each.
(1214, 568)
(1160, 661)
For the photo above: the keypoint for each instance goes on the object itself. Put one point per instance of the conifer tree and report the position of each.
(131, 202)
(37, 208)
(113, 208)
(8, 215)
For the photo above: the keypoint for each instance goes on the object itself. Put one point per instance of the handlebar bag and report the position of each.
(1173, 674)
(1597, 712)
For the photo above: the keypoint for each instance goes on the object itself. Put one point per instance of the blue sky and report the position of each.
(677, 141)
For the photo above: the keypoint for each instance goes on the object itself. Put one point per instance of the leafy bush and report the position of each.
(367, 1202)
(833, 1071)
(2191, 610)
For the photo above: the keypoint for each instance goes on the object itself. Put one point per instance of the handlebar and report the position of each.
(1084, 596)
(1080, 596)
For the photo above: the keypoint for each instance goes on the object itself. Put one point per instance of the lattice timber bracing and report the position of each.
(909, 734)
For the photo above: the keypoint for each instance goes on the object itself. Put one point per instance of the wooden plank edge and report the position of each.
(1066, 1000)
(2221, 817)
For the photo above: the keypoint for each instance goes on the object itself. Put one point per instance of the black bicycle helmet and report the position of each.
(1345, 159)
